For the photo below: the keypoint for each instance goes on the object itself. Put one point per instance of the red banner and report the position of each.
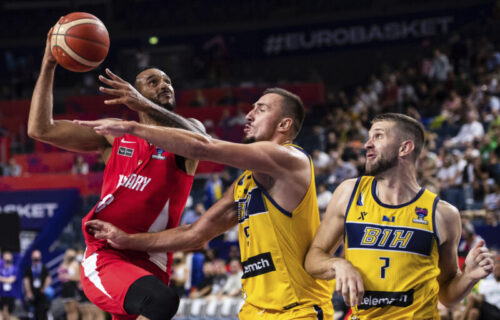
(86, 184)
(51, 162)
(4, 149)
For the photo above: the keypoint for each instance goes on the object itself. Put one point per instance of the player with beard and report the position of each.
(273, 203)
(144, 190)
(400, 239)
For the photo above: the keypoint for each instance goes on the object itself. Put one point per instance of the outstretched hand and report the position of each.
(479, 262)
(125, 93)
(112, 127)
(105, 230)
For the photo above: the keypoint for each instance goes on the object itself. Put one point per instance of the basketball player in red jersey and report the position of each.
(144, 190)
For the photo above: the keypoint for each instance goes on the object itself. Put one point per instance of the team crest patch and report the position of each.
(127, 152)
(158, 155)
(421, 214)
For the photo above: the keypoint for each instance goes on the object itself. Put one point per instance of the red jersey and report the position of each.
(143, 191)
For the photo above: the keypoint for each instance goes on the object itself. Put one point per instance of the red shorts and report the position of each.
(106, 276)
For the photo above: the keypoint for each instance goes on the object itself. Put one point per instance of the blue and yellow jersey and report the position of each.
(273, 244)
(395, 248)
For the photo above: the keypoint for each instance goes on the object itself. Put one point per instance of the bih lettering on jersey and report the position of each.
(395, 248)
(143, 191)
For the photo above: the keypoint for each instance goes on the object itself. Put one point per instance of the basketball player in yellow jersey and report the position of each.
(400, 239)
(273, 202)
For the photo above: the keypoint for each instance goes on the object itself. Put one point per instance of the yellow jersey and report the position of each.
(273, 244)
(395, 248)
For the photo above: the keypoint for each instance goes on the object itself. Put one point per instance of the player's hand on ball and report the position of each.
(349, 283)
(48, 57)
(125, 93)
(479, 262)
(111, 127)
(107, 231)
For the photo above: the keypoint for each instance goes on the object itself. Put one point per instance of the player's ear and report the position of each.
(285, 124)
(406, 147)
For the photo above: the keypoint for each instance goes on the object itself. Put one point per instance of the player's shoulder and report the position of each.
(347, 185)
(448, 221)
(295, 150)
(286, 156)
(447, 212)
(344, 191)
(197, 123)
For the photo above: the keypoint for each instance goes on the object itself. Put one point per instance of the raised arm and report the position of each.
(61, 133)
(320, 262)
(126, 94)
(221, 217)
(453, 284)
(263, 157)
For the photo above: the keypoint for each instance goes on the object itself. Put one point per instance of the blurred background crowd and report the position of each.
(221, 56)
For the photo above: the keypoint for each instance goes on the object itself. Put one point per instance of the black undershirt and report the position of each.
(181, 163)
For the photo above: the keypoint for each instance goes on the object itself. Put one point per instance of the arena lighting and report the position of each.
(153, 40)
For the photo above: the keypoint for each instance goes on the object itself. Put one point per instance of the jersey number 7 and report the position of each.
(386, 264)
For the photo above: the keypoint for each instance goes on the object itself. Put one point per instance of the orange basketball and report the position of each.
(79, 41)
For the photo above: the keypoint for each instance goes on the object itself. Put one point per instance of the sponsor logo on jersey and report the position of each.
(127, 152)
(125, 141)
(158, 155)
(421, 214)
(387, 219)
(134, 182)
(257, 265)
(379, 299)
(362, 215)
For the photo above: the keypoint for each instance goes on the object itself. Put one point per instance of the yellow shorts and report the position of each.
(319, 312)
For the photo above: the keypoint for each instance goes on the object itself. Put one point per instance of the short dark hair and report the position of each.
(144, 69)
(292, 107)
(410, 128)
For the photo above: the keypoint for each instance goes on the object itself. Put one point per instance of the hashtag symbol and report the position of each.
(274, 45)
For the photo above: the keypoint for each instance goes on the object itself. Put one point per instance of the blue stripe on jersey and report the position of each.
(434, 206)
(392, 238)
(286, 213)
(352, 197)
(358, 180)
